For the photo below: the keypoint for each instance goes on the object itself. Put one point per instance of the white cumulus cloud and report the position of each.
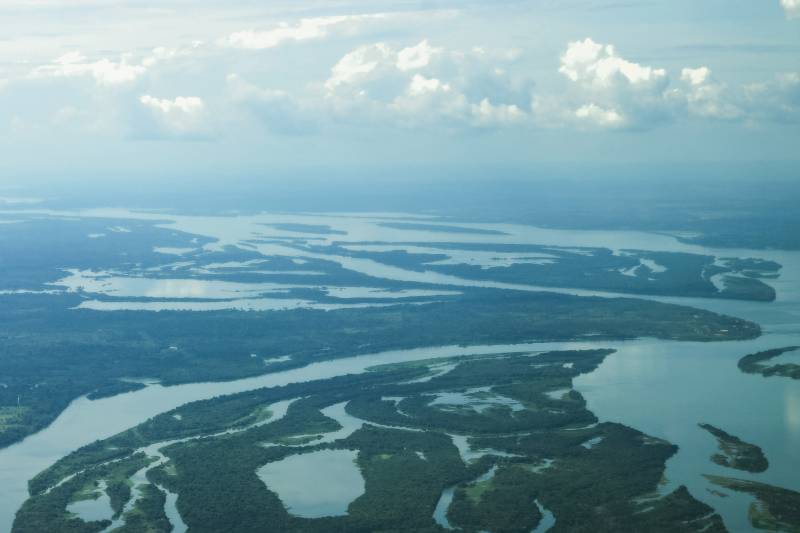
(488, 114)
(791, 8)
(606, 90)
(593, 114)
(696, 76)
(360, 65)
(706, 97)
(598, 64)
(104, 71)
(416, 57)
(181, 104)
(181, 116)
(425, 84)
(429, 100)
(107, 72)
(776, 100)
(420, 86)
(306, 29)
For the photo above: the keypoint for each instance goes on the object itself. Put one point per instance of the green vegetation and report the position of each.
(534, 443)
(753, 364)
(777, 509)
(11, 418)
(95, 349)
(73, 463)
(119, 493)
(631, 271)
(36, 251)
(51, 354)
(407, 467)
(582, 486)
(148, 515)
(115, 387)
(754, 268)
(735, 453)
(505, 502)
(49, 513)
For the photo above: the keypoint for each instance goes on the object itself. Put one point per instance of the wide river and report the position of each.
(663, 388)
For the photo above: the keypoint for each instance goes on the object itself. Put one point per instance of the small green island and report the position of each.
(736, 453)
(755, 363)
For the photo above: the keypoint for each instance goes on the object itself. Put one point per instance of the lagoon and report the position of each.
(317, 484)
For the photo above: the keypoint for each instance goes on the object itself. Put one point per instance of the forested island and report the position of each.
(775, 508)
(758, 363)
(419, 433)
(735, 453)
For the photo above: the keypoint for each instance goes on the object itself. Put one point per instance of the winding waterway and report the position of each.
(663, 388)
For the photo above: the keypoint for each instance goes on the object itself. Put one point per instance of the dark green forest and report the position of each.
(406, 456)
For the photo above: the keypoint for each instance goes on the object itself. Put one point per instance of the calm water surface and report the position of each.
(303, 482)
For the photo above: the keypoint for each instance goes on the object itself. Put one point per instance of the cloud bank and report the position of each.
(346, 74)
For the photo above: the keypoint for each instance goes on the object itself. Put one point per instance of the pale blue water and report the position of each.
(316, 484)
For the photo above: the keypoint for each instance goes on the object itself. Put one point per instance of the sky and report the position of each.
(132, 90)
